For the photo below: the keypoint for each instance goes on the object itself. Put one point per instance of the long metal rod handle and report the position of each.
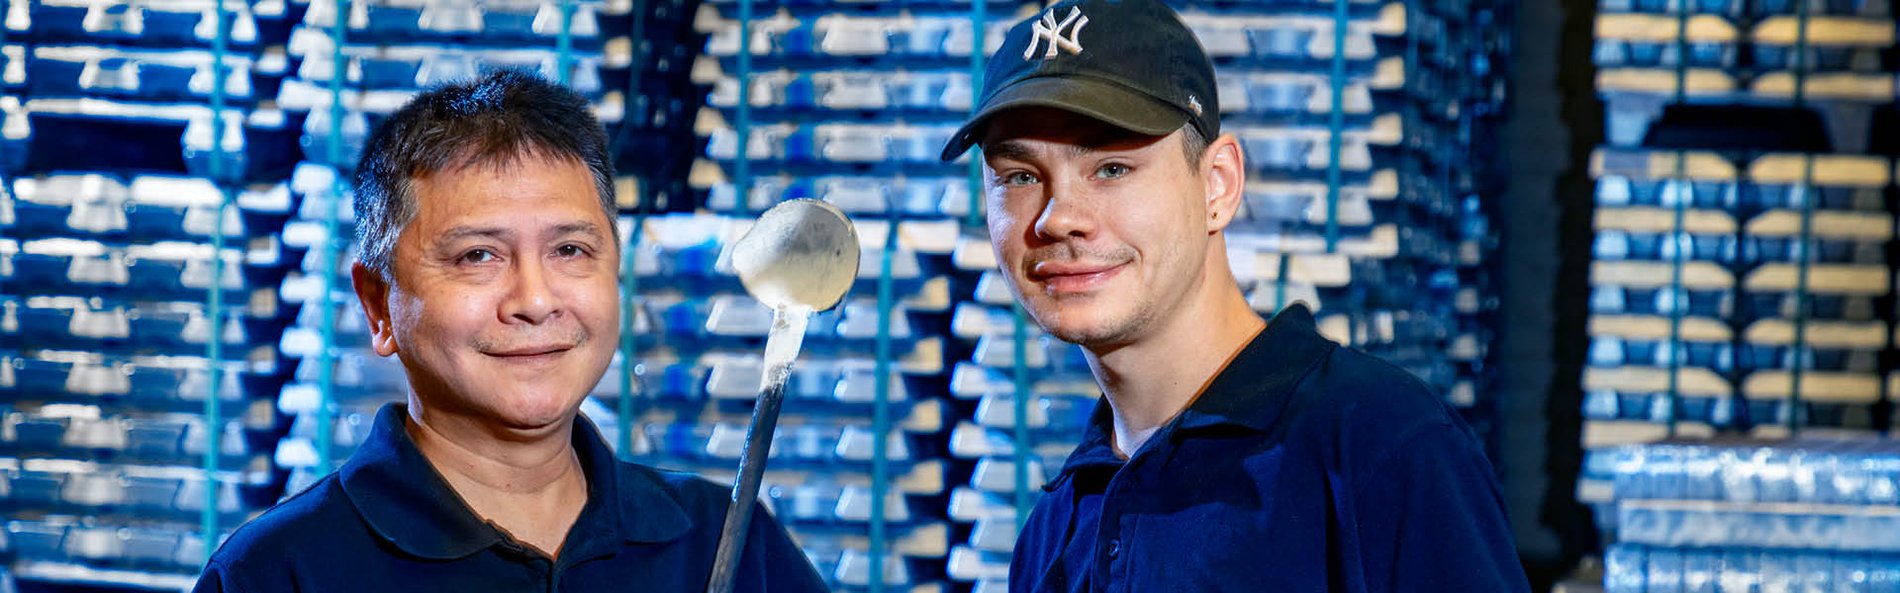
(745, 488)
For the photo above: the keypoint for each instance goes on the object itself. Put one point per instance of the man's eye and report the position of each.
(478, 256)
(1019, 178)
(1112, 170)
(570, 250)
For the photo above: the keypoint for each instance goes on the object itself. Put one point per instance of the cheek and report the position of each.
(409, 319)
(595, 299)
(1179, 223)
(1006, 228)
(405, 308)
(460, 309)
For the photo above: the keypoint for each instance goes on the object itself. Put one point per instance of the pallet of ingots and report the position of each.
(45, 133)
(65, 504)
(166, 212)
(1661, 296)
(1475, 304)
(464, 23)
(74, 239)
(1750, 226)
(392, 50)
(121, 86)
(116, 180)
(381, 77)
(1454, 94)
(852, 103)
(107, 551)
(699, 368)
(845, 92)
(1730, 323)
(830, 36)
(1811, 513)
(133, 520)
(251, 25)
(662, 99)
(848, 103)
(1826, 54)
(131, 326)
(152, 50)
(819, 483)
(1829, 339)
(1273, 71)
(106, 283)
(108, 262)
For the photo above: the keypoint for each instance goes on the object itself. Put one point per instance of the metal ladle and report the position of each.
(798, 259)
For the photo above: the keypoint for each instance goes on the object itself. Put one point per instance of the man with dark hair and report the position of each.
(488, 266)
(1229, 453)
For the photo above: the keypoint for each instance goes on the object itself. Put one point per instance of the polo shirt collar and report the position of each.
(1097, 449)
(1251, 392)
(408, 504)
(1255, 387)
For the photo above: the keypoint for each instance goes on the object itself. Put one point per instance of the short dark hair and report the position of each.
(495, 119)
(1194, 144)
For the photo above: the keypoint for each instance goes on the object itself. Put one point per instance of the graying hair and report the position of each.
(495, 120)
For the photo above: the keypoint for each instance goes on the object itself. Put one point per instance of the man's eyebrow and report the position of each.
(1078, 150)
(588, 229)
(1116, 141)
(470, 232)
(1007, 149)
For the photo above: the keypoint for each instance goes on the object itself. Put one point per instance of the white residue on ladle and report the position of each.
(782, 344)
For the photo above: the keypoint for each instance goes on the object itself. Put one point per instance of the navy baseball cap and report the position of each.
(1130, 63)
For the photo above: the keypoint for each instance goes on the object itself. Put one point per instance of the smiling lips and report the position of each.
(1073, 277)
(531, 352)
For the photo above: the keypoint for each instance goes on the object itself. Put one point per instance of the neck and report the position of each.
(532, 487)
(1150, 382)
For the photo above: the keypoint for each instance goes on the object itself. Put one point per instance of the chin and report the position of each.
(534, 418)
(1082, 326)
(548, 406)
(522, 407)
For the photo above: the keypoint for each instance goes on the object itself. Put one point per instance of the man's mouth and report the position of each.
(530, 352)
(1073, 277)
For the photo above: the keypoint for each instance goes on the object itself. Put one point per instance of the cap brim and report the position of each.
(1101, 100)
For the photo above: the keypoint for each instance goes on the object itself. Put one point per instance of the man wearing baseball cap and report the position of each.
(1229, 453)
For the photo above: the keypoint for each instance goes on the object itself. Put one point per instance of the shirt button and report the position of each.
(1114, 548)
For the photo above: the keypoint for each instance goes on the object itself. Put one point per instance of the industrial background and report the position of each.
(1646, 247)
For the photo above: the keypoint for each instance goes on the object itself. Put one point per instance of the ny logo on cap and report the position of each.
(1049, 29)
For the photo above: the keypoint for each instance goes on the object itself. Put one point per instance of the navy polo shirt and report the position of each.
(387, 521)
(1303, 466)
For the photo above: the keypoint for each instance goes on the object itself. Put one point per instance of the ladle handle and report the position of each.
(745, 488)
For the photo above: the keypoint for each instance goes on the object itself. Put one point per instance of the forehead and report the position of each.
(519, 187)
(1018, 130)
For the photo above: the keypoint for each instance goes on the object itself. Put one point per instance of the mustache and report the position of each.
(563, 339)
(1072, 253)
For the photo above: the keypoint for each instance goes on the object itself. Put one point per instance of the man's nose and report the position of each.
(530, 298)
(1066, 212)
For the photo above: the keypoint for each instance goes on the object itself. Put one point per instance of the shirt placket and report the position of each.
(537, 567)
(1118, 528)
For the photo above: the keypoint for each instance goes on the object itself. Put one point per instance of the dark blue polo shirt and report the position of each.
(387, 521)
(1302, 467)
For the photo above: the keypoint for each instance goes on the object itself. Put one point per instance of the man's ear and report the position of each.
(1224, 173)
(372, 291)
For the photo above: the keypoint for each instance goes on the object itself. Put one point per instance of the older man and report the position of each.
(1230, 453)
(488, 266)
